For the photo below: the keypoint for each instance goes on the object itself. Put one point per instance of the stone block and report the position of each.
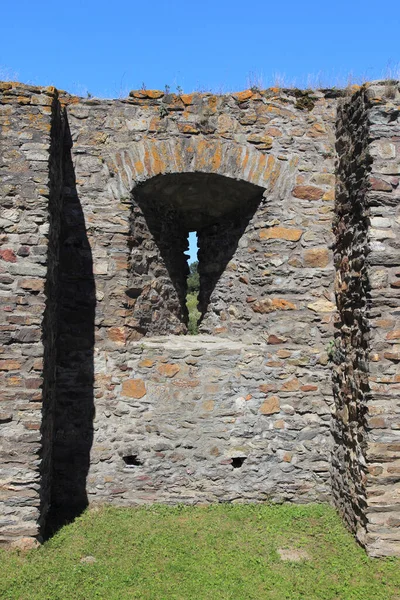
(270, 406)
(316, 257)
(133, 388)
(308, 192)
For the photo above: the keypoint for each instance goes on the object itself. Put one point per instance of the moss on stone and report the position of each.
(305, 100)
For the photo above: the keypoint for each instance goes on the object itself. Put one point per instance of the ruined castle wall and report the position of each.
(350, 350)
(280, 274)
(105, 398)
(365, 473)
(383, 419)
(270, 139)
(196, 419)
(31, 149)
(277, 289)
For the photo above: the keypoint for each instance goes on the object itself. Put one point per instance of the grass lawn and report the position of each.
(194, 553)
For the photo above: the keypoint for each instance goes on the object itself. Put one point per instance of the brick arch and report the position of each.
(148, 158)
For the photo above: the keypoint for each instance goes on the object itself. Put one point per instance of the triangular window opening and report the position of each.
(170, 292)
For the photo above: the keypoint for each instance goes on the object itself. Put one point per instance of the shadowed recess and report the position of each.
(164, 209)
(73, 423)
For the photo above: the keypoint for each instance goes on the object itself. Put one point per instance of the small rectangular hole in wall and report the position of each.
(193, 286)
(238, 461)
(132, 461)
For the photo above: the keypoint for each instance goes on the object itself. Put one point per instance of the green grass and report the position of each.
(195, 553)
(194, 314)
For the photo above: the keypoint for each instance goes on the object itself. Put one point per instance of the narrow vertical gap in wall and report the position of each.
(50, 317)
(74, 407)
(193, 285)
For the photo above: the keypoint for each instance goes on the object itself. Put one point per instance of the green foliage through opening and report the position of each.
(193, 288)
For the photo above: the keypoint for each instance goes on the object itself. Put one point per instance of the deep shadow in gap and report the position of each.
(74, 411)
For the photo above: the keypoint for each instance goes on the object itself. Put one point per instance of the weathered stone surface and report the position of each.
(380, 185)
(270, 406)
(10, 365)
(146, 362)
(153, 94)
(8, 255)
(322, 305)
(284, 233)
(394, 356)
(25, 544)
(308, 192)
(133, 388)
(169, 370)
(29, 201)
(365, 351)
(267, 305)
(393, 335)
(117, 334)
(291, 386)
(316, 257)
(265, 140)
(243, 96)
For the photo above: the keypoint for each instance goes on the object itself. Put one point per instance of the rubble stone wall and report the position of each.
(350, 350)
(383, 419)
(138, 412)
(197, 420)
(30, 168)
(365, 459)
(275, 284)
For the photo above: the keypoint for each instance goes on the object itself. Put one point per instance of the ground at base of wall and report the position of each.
(221, 551)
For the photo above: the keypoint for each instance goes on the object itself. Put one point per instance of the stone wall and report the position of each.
(155, 147)
(196, 419)
(365, 469)
(383, 423)
(158, 267)
(239, 414)
(350, 351)
(30, 168)
(144, 178)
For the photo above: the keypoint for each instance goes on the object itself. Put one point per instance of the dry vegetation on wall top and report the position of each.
(304, 97)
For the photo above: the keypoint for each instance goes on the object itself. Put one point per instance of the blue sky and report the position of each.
(108, 48)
